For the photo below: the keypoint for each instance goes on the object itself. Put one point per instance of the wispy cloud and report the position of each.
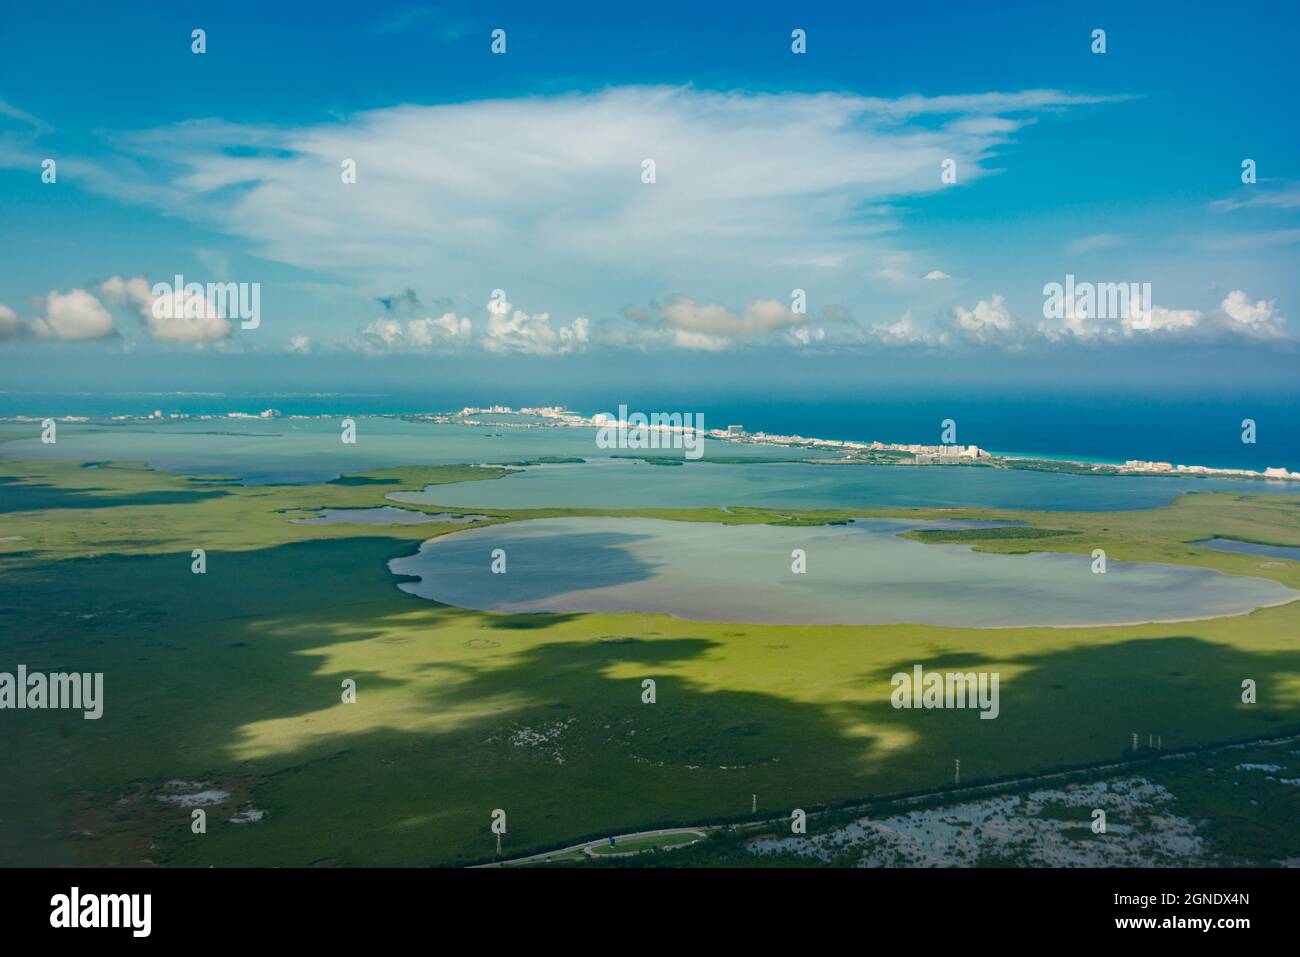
(427, 21)
(1261, 197)
(1095, 243)
(535, 191)
(11, 112)
(1246, 241)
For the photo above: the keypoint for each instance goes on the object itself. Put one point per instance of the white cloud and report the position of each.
(176, 316)
(1164, 320)
(686, 324)
(805, 335)
(71, 315)
(300, 344)
(989, 323)
(1256, 196)
(508, 330)
(512, 330)
(983, 103)
(460, 195)
(1259, 318)
(904, 332)
(935, 274)
(11, 327)
(1095, 242)
(1236, 316)
(1221, 242)
(385, 332)
(14, 113)
(76, 315)
(448, 327)
(447, 332)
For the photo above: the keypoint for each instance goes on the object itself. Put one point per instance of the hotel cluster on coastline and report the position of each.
(1137, 466)
(921, 454)
(553, 414)
(907, 453)
(878, 452)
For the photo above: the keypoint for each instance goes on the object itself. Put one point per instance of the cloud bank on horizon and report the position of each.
(639, 217)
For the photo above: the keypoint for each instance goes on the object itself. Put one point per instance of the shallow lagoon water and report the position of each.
(289, 451)
(285, 450)
(1252, 548)
(861, 573)
(613, 483)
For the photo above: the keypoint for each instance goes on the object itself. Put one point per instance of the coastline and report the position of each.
(658, 437)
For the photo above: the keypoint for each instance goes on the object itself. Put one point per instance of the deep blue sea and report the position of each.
(1106, 427)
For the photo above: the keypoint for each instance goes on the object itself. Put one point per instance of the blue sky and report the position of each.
(522, 173)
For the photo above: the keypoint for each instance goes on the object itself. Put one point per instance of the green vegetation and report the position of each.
(233, 678)
(1002, 533)
(1243, 801)
(549, 460)
(1053, 465)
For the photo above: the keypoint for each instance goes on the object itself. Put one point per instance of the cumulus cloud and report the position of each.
(512, 330)
(1236, 317)
(300, 344)
(447, 332)
(684, 323)
(1159, 322)
(989, 323)
(72, 315)
(1259, 318)
(805, 335)
(507, 331)
(179, 315)
(11, 326)
(1162, 320)
(934, 274)
(1239, 308)
(448, 327)
(904, 332)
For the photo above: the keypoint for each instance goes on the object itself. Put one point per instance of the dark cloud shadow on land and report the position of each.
(545, 720)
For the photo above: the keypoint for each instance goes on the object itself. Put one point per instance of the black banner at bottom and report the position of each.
(334, 906)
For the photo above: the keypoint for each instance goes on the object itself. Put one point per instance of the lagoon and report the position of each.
(1252, 548)
(861, 573)
(622, 483)
(298, 450)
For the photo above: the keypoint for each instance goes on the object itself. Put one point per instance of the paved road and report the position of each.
(701, 831)
(690, 835)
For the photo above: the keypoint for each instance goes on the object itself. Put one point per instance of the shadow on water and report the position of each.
(536, 567)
